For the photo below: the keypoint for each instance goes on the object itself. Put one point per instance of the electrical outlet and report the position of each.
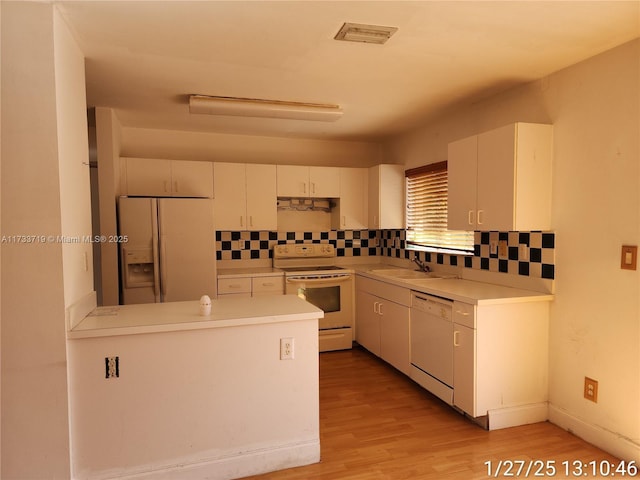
(112, 367)
(286, 349)
(591, 389)
(503, 249)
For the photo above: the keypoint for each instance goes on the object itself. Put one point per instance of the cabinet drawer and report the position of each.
(234, 285)
(464, 314)
(384, 290)
(267, 285)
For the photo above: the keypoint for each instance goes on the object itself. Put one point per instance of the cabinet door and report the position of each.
(374, 198)
(386, 197)
(235, 286)
(462, 172)
(496, 179)
(292, 181)
(464, 368)
(271, 285)
(394, 335)
(148, 177)
(262, 201)
(352, 211)
(324, 182)
(368, 322)
(230, 196)
(191, 179)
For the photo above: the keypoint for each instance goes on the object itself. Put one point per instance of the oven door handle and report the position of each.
(319, 280)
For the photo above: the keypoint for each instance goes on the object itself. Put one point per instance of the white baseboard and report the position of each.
(520, 415)
(610, 442)
(231, 466)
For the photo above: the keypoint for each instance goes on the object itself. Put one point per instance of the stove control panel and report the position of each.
(304, 250)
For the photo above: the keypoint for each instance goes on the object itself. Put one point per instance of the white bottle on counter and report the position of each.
(205, 305)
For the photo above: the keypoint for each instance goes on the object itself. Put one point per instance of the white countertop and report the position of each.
(468, 291)
(176, 316)
(248, 272)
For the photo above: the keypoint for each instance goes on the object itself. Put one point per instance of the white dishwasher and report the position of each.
(432, 344)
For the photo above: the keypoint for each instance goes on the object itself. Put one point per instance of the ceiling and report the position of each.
(143, 58)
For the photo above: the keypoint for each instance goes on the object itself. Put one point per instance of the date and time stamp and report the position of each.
(560, 469)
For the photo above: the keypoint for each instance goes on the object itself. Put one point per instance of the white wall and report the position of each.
(44, 140)
(212, 403)
(217, 147)
(595, 326)
(73, 158)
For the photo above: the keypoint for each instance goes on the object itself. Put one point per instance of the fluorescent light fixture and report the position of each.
(358, 32)
(253, 107)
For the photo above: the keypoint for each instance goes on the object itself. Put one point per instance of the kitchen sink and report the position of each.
(406, 274)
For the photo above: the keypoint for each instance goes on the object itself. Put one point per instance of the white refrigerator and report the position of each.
(169, 254)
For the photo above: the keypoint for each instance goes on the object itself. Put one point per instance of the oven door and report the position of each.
(333, 294)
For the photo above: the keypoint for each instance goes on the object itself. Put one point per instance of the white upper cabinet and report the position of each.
(302, 181)
(386, 197)
(166, 178)
(501, 179)
(262, 201)
(350, 213)
(245, 196)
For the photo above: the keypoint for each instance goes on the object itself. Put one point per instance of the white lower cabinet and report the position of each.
(251, 286)
(382, 321)
(367, 321)
(464, 359)
(500, 362)
(500, 351)
(271, 285)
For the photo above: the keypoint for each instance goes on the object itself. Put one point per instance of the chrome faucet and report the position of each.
(423, 266)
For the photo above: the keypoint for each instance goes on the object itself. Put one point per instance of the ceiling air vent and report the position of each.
(357, 32)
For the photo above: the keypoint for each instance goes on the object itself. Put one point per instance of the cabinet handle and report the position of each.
(251, 220)
(313, 187)
(470, 216)
(166, 187)
(241, 221)
(460, 312)
(380, 309)
(455, 338)
(175, 184)
(480, 214)
(304, 188)
(344, 220)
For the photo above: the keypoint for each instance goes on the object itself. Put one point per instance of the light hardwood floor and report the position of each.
(375, 423)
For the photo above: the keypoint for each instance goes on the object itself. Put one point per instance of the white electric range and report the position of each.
(311, 273)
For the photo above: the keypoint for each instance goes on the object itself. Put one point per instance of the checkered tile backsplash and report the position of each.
(258, 245)
(538, 248)
(528, 253)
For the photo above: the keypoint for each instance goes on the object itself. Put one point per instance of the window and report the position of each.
(427, 212)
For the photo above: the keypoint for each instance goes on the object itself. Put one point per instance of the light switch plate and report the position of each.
(629, 257)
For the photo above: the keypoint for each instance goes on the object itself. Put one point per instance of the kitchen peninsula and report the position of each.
(160, 391)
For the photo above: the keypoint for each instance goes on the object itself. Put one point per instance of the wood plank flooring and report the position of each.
(375, 424)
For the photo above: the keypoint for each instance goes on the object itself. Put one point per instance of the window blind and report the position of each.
(427, 190)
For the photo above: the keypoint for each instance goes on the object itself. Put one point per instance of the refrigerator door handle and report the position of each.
(163, 270)
(156, 263)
